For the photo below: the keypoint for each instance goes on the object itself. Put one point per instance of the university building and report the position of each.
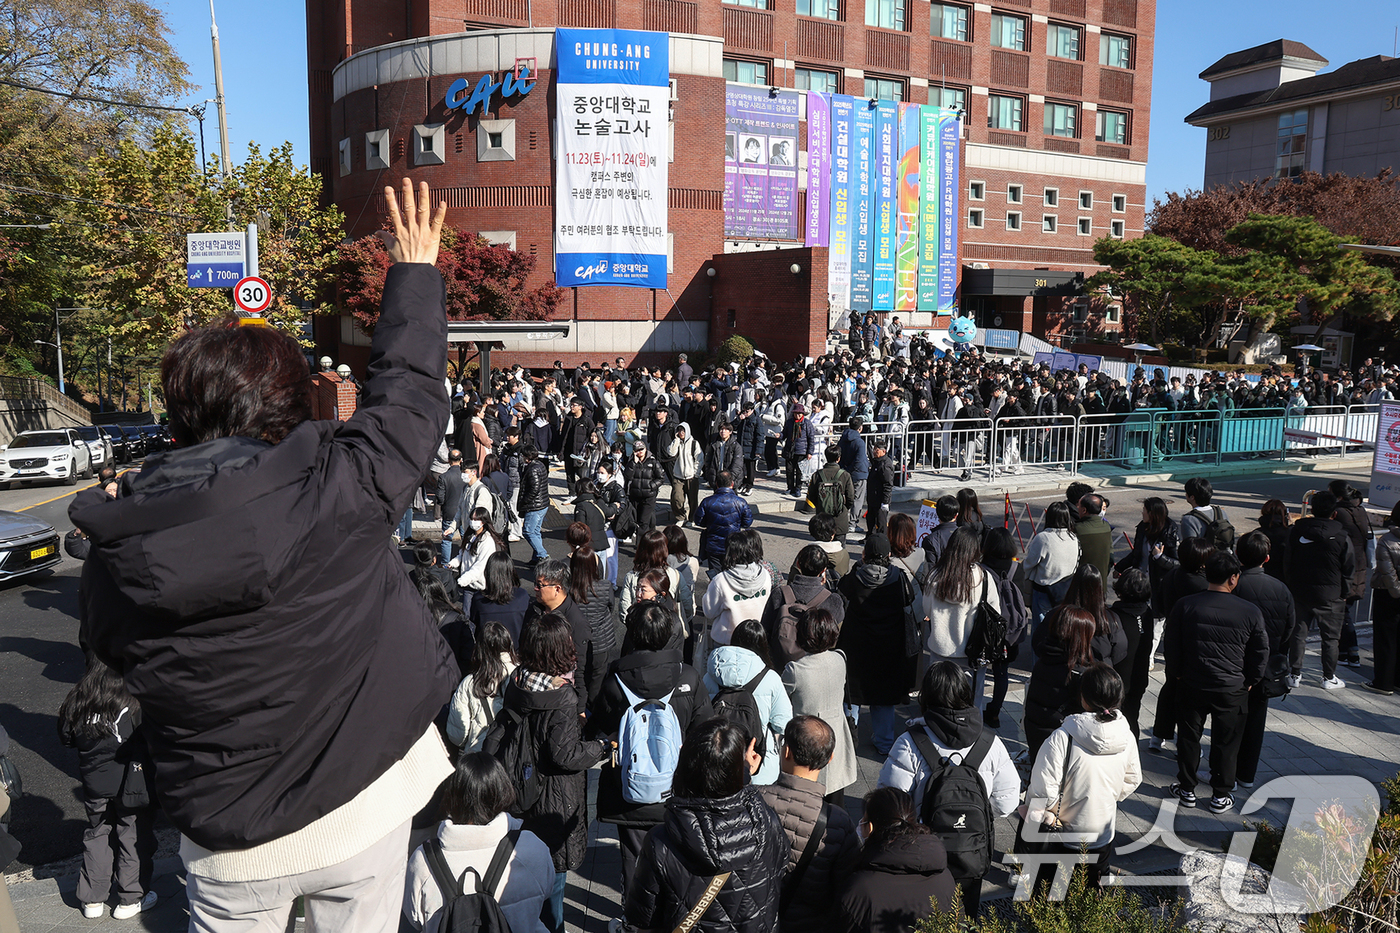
(1055, 98)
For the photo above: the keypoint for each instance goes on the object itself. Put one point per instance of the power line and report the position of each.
(96, 100)
(108, 204)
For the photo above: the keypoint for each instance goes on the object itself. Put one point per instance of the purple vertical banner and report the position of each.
(760, 139)
(818, 169)
(949, 135)
(886, 156)
(906, 250)
(863, 207)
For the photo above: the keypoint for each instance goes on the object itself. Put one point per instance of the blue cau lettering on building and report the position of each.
(486, 86)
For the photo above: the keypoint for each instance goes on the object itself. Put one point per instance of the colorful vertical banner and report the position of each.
(886, 154)
(760, 164)
(842, 180)
(818, 169)
(863, 209)
(610, 181)
(906, 274)
(929, 190)
(948, 141)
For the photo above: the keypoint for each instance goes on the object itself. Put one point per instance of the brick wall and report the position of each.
(332, 398)
(779, 312)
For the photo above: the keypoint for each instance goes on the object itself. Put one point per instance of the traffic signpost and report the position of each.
(214, 260)
(252, 295)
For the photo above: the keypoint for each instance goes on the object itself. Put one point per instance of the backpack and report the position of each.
(500, 513)
(956, 806)
(1014, 610)
(477, 911)
(648, 747)
(1220, 531)
(509, 742)
(737, 705)
(829, 500)
(988, 639)
(624, 523)
(791, 612)
(1276, 673)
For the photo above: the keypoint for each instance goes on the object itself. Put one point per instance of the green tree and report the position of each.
(1156, 277)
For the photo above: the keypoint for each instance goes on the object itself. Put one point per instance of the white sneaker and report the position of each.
(94, 911)
(127, 911)
(515, 537)
(1295, 681)
(1333, 683)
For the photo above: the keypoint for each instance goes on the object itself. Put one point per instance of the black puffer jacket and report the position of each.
(1318, 561)
(281, 655)
(1274, 600)
(890, 888)
(798, 802)
(1053, 690)
(563, 758)
(724, 455)
(1351, 515)
(1215, 642)
(650, 675)
(698, 839)
(644, 480)
(534, 487)
(596, 515)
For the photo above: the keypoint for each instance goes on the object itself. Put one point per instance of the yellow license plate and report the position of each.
(41, 552)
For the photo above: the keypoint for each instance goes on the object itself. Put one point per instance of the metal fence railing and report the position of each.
(21, 389)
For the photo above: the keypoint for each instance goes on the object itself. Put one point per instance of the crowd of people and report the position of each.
(323, 725)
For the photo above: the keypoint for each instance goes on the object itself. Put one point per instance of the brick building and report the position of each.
(1058, 161)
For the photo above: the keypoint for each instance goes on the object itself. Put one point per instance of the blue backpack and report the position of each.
(649, 747)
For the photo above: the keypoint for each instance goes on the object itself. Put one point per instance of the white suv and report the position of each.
(59, 454)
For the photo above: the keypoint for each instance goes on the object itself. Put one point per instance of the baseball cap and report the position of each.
(877, 545)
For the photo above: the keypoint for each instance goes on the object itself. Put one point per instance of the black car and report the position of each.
(157, 438)
(27, 545)
(136, 441)
(121, 448)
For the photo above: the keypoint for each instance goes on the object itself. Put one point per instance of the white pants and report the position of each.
(363, 894)
(517, 527)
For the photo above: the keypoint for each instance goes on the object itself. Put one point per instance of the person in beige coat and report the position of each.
(817, 685)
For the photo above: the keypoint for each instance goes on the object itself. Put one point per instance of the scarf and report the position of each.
(536, 682)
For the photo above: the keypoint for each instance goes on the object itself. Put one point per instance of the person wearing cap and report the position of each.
(644, 479)
(684, 453)
(879, 486)
(878, 637)
(799, 443)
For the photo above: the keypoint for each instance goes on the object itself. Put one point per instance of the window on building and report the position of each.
(1112, 314)
(1292, 143)
(756, 4)
(949, 21)
(1086, 200)
(1004, 113)
(1015, 193)
(1120, 204)
(810, 79)
(1112, 127)
(1052, 197)
(1061, 119)
(1048, 223)
(1086, 226)
(1062, 41)
(732, 318)
(1080, 310)
(976, 218)
(825, 9)
(887, 14)
(884, 89)
(742, 72)
(1008, 31)
(976, 190)
(1117, 229)
(949, 98)
(1013, 220)
(495, 140)
(1115, 51)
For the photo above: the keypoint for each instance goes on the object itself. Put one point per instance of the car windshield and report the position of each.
(40, 439)
(88, 433)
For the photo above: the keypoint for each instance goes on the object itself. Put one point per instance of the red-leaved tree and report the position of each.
(484, 282)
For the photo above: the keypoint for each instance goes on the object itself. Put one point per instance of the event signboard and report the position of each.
(842, 226)
(1385, 465)
(611, 174)
(929, 189)
(886, 154)
(949, 134)
(760, 163)
(862, 210)
(906, 275)
(818, 168)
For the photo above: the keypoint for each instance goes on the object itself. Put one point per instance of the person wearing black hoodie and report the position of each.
(1275, 601)
(879, 637)
(1318, 565)
(651, 671)
(1187, 578)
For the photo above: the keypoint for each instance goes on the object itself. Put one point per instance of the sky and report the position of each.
(263, 45)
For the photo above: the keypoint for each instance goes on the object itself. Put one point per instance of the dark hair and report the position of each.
(1343, 490)
(1253, 549)
(743, 547)
(547, 645)
(577, 535)
(1199, 489)
(434, 595)
(954, 581)
(1076, 491)
(1091, 503)
(94, 703)
(1193, 554)
(712, 763)
(650, 625)
(1394, 520)
(1074, 627)
(968, 506)
(231, 381)
(487, 670)
(1101, 690)
(817, 631)
(947, 508)
(822, 527)
(478, 790)
(651, 551)
(946, 686)
(677, 542)
(1086, 590)
(812, 561)
(1157, 515)
(1221, 567)
(585, 569)
(725, 479)
(501, 579)
(658, 580)
(890, 813)
(488, 530)
(901, 530)
(1133, 586)
(1323, 504)
(1274, 509)
(490, 464)
(751, 634)
(999, 544)
(810, 740)
(1057, 515)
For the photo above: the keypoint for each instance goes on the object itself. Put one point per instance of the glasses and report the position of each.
(540, 586)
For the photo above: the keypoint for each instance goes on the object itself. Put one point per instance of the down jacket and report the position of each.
(644, 479)
(1274, 600)
(1215, 642)
(282, 658)
(1083, 771)
(1387, 575)
(534, 487)
(698, 839)
(721, 515)
(798, 802)
(890, 889)
(1319, 561)
(1053, 690)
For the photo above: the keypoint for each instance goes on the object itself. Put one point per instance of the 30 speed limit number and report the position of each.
(252, 294)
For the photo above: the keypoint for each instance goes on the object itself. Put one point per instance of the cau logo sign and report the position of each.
(480, 97)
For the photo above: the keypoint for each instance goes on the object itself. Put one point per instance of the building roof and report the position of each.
(1274, 51)
(1378, 69)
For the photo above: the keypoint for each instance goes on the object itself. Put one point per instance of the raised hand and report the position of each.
(417, 227)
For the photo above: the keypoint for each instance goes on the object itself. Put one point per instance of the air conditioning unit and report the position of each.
(978, 265)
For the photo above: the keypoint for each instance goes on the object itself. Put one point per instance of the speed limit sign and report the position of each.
(252, 294)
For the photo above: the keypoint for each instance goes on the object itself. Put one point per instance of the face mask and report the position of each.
(475, 525)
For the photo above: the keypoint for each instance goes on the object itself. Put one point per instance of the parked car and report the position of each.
(27, 545)
(59, 454)
(157, 438)
(121, 448)
(135, 441)
(98, 445)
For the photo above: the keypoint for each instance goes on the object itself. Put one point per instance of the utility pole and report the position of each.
(226, 161)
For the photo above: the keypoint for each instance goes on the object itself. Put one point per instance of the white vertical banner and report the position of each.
(611, 167)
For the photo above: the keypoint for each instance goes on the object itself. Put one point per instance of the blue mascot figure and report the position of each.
(961, 332)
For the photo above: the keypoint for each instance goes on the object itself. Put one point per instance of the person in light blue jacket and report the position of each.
(739, 662)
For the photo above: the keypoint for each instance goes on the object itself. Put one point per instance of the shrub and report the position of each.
(734, 350)
(1084, 910)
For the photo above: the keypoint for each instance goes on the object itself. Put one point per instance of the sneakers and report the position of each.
(966, 475)
(1354, 661)
(94, 911)
(127, 911)
(1187, 797)
(1154, 745)
(1247, 785)
(1383, 691)
(1333, 683)
(990, 719)
(1295, 681)
(1221, 804)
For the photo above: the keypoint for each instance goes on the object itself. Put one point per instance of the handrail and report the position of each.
(21, 388)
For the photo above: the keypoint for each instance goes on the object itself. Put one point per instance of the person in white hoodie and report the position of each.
(738, 593)
(478, 697)
(955, 727)
(773, 414)
(734, 665)
(955, 589)
(476, 799)
(1082, 772)
(1051, 559)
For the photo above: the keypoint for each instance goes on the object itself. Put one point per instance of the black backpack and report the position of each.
(624, 523)
(509, 742)
(987, 640)
(956, 806)
(476, 911)
(1276, 673)
(737, 705)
